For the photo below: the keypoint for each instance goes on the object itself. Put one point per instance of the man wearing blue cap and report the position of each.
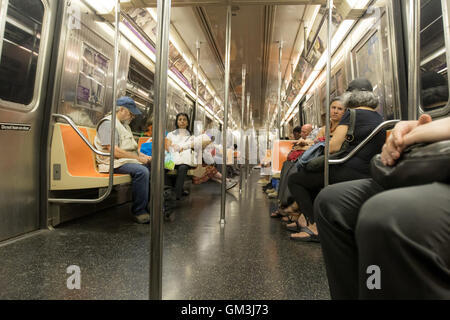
(128, 159)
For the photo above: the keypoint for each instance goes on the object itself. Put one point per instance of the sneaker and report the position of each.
(273, 195)
(230, 184)
(142, 218)
(271, 190)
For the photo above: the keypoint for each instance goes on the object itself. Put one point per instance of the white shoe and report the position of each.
(273, 195)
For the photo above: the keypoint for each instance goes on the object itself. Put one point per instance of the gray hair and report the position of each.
(338, 98)
(358, 98)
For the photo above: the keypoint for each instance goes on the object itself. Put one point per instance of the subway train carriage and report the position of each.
(224, 150)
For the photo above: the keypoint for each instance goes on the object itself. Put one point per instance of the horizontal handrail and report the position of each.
(74, 127)
(364, 142)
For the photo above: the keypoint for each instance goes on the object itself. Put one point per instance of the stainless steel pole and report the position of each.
(327, 107)
(414, 63)
(244, 71)
(247, 157)
(196, 79)
(280, 52)
(225, 121)
(157, 177)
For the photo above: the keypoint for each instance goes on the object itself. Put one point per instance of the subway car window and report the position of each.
(20, 50)
(140, 88)
(434, 72)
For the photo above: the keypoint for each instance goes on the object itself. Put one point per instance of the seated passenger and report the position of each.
(128, 160)
(305, 185)
(337, 111)
(180, 144)
(403, 232)
(292, 156)
(307, 135)
(208, 170)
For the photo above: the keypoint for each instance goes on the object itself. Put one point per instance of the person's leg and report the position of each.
(179, 183)
(140, 180)
(336, 211)
(303, 186)
(405, 232)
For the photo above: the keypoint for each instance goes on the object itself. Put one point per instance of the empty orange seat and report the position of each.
(281, 149)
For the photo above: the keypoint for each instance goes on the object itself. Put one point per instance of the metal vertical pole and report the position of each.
(244, 71)
(157, 177)
(196, 78)
(248, 138)
(414, 57)
(225, 121)
(327, 130)
(280, 52)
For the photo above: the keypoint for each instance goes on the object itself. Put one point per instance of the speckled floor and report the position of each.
(250, 258)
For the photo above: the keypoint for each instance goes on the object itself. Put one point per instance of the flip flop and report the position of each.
(297, 228)
(288, 218)
(311, 238)
(276, 214)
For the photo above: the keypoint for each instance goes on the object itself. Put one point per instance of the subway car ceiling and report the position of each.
(265, 34)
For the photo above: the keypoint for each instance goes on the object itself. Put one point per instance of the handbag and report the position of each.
(294, 155)
(419, 164)
(315, 162)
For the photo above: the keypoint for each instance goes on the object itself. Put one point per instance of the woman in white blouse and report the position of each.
(179, 144)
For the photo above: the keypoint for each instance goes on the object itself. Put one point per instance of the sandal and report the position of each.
(298, 227)
(311, 238)
(290, 218)
(276, 214)
(291, 210)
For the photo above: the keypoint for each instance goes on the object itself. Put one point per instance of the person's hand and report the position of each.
(176, 148)
(144, 159)
(302, 142)
(395, 144)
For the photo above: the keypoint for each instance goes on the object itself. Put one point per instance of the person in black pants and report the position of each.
(304, 186)
(392, 244)
(180, 144)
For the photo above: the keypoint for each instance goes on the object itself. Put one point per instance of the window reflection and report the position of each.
(20, 50)
(434, 72)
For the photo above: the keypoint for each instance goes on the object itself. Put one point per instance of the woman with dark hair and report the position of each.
(180, 144)
(305, 185)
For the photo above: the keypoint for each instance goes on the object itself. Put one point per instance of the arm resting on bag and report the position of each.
(338, 138)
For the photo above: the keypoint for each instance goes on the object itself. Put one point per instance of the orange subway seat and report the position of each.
(281, 149)
(79, 157)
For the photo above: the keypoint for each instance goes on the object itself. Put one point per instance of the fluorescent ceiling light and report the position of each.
(104, 6)
(338, 37)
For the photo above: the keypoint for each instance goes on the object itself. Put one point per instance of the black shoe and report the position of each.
(170, 216)
(185, 193)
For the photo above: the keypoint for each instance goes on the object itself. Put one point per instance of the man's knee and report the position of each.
(383, 215)
(142, 173)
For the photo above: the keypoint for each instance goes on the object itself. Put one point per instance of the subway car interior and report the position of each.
(246, 76)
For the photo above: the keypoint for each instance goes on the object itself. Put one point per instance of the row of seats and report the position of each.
(73, 164)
